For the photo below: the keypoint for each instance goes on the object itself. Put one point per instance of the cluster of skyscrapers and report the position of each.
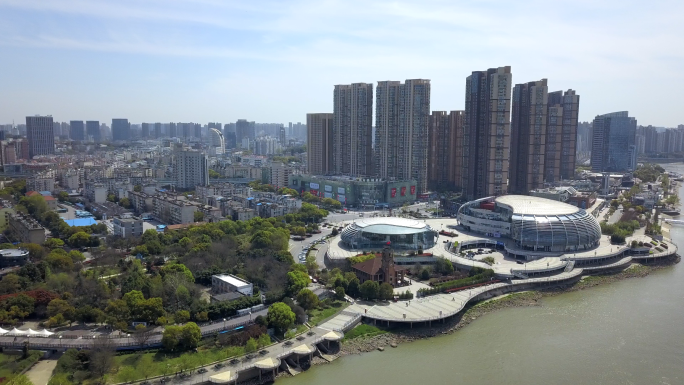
(489, 148)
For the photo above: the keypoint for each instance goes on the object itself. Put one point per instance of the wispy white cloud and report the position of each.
(595, 47)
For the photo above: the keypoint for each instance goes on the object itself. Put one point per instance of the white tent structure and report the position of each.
(3, 331)
(29, 333)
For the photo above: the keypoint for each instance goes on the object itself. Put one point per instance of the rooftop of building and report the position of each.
(80, 222)
(530, 205)
(11, 253)
(390, 225)
(232, 280)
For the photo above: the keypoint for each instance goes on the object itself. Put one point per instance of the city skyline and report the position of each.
(184, 62)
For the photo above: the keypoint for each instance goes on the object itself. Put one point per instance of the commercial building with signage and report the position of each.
(357, 192)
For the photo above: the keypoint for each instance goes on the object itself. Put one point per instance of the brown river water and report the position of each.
(627, 332)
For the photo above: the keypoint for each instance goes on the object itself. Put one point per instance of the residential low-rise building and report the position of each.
(25, 229)
(95, 192)
(173, 210)
(41, 182)
(226, 283)
(141, 202)
(128, 227)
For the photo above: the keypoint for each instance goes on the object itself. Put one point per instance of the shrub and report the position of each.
(483, 275)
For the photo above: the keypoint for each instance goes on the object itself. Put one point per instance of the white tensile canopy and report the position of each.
(3, 331)
(29, 332)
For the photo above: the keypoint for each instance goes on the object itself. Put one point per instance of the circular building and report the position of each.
(533, 223)
(373, 233)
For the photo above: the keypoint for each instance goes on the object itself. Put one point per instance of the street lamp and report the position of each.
(224, 323)
(60, 342)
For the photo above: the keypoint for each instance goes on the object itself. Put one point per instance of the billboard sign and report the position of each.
(393, 192)
(327, 195)
(340, 190)
(341, 198)
(403, 191)
(328, 188)
(314, 186)
(413, 190)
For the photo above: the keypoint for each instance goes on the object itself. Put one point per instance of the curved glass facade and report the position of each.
(356, 238)
(577, 231)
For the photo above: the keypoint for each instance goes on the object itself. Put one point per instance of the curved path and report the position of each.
(441, 306)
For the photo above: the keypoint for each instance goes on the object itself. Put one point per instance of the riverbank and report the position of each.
(398, 335)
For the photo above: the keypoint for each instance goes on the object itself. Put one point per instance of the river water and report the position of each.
(628, 332)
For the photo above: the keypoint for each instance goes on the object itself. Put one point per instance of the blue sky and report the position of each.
(275, 61)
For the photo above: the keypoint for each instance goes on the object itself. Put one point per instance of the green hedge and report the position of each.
(23, 364)
(483, 275)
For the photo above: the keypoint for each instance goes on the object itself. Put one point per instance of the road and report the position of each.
(54, 342)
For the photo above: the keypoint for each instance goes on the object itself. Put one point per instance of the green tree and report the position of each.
(339, 293)
(425, 274)
(60, 306)
(11, 284)
(137, 188)
(191, 336)
(76, 256)
(386, 292)
(79, 239)
(280, 316)
(125, 203)
(307, 299)
(53, 243)
(171, 337)
(296, 281)
(62, 196)
(353, 287)
(251, 345)
(369, 290)
(177, 268)
(198, 216)
(182, 316)
(311, 264)
(59, 261)
(264, 340)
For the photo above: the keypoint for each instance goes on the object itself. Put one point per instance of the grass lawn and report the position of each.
(363, 330)
(140, 366)
(318, 315)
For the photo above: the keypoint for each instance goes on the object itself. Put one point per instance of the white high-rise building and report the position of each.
(217, 141)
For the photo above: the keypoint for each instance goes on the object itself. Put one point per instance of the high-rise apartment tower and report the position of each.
(613, 147)
(487, 133)
(353, 129)
(319, 143)
(529, 136)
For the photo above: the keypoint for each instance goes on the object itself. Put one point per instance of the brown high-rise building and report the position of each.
(569, 102)
(487, 133)
(353, 129)
(528, 137)
(319, 143)
(445, 146)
